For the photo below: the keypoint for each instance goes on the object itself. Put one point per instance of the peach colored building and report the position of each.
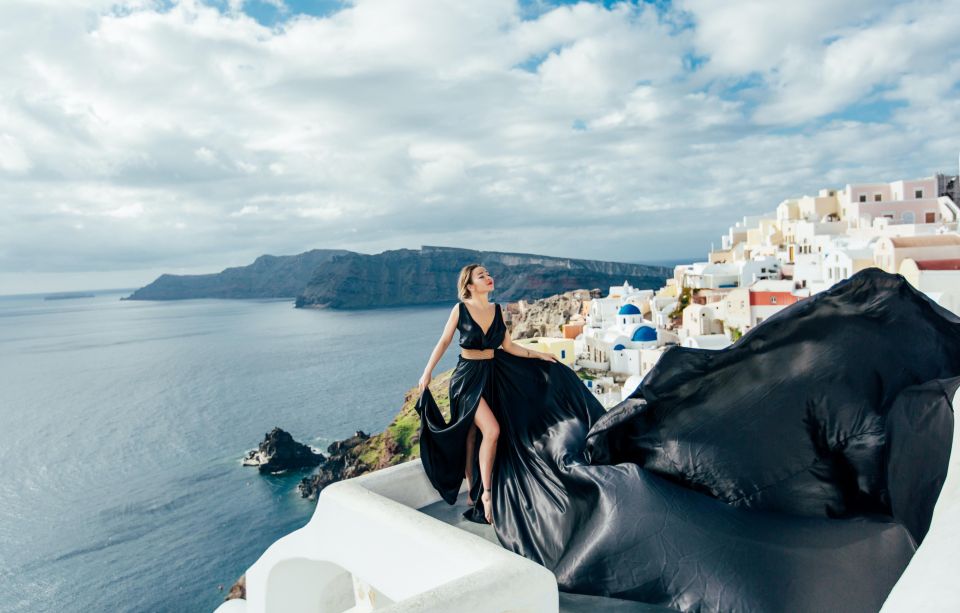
(572, 330)
(903, 202)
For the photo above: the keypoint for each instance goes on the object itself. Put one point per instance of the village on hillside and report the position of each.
(766, 263)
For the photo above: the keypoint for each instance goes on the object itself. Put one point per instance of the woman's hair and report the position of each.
(465, 273)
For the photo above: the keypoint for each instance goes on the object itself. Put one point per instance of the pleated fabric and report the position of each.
(794, 470)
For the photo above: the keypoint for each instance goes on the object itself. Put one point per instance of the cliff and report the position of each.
(344, 279)
(270, 276)
(546, 317)
(429, 275)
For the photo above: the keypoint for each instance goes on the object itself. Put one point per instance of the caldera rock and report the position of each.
(279, 452)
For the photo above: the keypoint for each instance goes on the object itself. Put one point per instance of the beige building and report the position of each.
(822, 207)
(562, 348)
(700, 319)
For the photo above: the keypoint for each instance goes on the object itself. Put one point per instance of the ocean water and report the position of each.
(123, 425)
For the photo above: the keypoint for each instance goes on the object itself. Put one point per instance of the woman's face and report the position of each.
(481, 280)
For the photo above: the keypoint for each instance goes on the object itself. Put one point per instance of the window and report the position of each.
(877, 198)
(563, 354)
(907, 217)
(863, 197)
(773, 300)
(918, 193)
(930, 217)
(888, 215)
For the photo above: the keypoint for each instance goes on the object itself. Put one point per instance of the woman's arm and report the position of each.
(514, 349)
(441, 346)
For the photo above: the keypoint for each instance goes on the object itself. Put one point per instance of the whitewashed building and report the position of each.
(603, 311)
(840, 262)
(758, 268)
(707, 341)
(617, 347)
(605, 390)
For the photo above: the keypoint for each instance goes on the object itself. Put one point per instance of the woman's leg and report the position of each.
(488, 449)
(471, 445)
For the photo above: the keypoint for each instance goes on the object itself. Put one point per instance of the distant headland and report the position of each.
(68, 295)
(336, 278)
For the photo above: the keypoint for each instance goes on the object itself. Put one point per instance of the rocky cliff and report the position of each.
(270, 276)
(344, 279)
(429, 275)
(546, 317)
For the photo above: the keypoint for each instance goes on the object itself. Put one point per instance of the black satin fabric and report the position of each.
(795, 470)
(472, 335)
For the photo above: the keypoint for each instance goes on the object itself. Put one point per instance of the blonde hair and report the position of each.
(465, 273)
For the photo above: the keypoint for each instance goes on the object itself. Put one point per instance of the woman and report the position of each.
(796, 469)
(482, 330)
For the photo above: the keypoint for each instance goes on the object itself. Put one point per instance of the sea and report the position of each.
(123, 425)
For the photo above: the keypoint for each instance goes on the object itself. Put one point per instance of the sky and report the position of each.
(147, 137)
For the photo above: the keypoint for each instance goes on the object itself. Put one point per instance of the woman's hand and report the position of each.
(549, 357)
(424, 381)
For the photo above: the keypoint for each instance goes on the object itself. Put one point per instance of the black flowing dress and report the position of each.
(795, 470)
(527, 396)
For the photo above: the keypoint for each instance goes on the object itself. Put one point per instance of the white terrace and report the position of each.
(385, 541)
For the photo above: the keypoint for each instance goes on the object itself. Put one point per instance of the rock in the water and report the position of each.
(279, 452)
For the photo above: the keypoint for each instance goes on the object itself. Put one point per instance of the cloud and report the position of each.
(818, 57)
(12, 157)
(145, 135)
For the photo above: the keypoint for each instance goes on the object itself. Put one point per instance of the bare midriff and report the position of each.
(476, 354)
